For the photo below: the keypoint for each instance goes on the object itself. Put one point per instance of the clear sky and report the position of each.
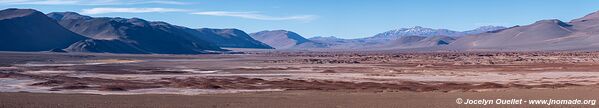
(341, 18)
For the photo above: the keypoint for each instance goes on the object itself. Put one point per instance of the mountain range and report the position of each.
(122, 35)
(404, 38)
(149, 37)
(422, 31)
(282, 39)
(31, 30)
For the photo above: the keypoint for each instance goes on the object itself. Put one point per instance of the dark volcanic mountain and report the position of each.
(232, 38)
(121, 35)
(30, 30)
(282, 39)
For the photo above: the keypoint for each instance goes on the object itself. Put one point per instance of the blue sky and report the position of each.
(341, 18)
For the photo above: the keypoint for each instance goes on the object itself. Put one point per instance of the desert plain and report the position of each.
(275, 79)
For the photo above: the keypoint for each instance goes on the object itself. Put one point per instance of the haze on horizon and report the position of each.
(347, 19)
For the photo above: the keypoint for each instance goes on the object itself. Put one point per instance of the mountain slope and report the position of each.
(282, 39)
(483, 29)
(105, 46)
(435, 41)
(578, 34)
(31, 30)
(232, 38)
(97, 28)
(406, 42)
(426, 32)
(148, 37)
(588, 24)
(535, 35)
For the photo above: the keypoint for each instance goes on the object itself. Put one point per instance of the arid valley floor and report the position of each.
(294, 79)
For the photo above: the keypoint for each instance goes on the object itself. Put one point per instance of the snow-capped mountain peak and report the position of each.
(427, 32)
(418, 31)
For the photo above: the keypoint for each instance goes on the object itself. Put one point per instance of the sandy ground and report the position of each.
(295, 99)
(293, 79)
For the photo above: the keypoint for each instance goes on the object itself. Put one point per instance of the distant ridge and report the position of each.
(422, 31)
(283, 39)
(405, 38)
(230, 38)
(31, 30)
(417, 37)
